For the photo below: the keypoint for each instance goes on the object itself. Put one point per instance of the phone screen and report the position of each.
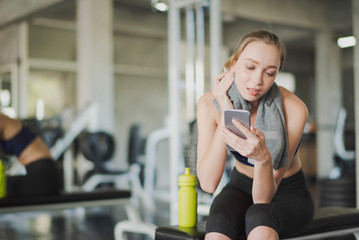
(241, 115)
(244, 117)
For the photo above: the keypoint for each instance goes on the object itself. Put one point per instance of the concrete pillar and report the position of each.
(95, 80)
(328, 99)
(355, 11)
(216, 60)
(174, 56)
(23, 90)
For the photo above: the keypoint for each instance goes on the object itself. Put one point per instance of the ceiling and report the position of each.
(294, 21)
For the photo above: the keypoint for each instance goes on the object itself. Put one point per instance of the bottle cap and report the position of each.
(187, 178)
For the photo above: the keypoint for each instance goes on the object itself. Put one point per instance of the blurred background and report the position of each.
(135, 71)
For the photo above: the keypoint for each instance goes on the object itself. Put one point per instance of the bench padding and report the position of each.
(332, 219)
(64, 200)
(328, 219)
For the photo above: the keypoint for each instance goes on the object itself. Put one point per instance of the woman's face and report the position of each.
(256, 69)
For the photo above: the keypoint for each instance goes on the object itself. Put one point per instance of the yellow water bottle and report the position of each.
(2, 180)
(187, 200)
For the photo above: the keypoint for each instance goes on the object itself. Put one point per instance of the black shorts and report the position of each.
(42, 178)
(233, 213)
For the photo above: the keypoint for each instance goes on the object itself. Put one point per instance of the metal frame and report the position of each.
(355, 15)
(67, 205)
(354, 231)
(174, 79)
(174, 103)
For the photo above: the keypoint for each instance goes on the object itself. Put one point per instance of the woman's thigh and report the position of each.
(288, 213)
(228, 211)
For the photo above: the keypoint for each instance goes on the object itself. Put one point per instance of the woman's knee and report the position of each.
(216, 236)
(261, 218)
(263, 232)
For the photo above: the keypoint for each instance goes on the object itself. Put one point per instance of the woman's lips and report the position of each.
(253, 91)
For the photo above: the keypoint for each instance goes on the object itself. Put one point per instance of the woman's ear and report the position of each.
(234, 61)
(232, 65)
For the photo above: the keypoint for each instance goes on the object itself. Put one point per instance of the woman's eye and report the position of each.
(250, 67)
(270, 74)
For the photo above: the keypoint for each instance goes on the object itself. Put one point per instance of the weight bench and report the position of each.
(64, 201)
(327, 222)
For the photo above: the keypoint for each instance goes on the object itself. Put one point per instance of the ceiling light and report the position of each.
(159, 5)
(345, 42)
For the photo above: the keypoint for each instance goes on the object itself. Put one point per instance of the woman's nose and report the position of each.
(257, 78)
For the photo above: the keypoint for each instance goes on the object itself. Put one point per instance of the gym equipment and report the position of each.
(190, 148)
(340, 188)
(87, 119)
(64, 201)
(337, 192)
(194, 67)
(344, 159)
(151, 156)
(328, 222)
(84, 119)
(117, 178)
(49, 129)
(98, 147)
(137, 147)
(136, 144)
(133, 225)
(79, 199)
(339, 138)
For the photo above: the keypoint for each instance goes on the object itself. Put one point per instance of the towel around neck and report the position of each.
(270, 120)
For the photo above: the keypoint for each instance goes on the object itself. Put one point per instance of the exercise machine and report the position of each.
(339, 188)
(344, 158)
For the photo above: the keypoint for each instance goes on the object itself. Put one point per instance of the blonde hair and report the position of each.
(257, 35)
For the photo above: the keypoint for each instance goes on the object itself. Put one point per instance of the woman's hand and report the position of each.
(253, 147)
(221, 85)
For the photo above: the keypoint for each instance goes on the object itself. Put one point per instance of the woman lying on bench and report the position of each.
(42, 175)
(266, 197)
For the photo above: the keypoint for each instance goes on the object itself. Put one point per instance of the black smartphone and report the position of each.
(241, 115)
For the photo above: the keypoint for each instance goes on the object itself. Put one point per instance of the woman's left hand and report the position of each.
(253, 147)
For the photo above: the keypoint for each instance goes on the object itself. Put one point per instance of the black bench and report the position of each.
(64, 201)
(328, 222)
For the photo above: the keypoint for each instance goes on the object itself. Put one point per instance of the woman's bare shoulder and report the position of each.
(206, 101)
(206, 98)
(293, 106)
(206, 107)
(290, 98)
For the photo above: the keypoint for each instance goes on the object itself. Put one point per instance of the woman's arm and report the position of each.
(211, 149)
(254, 147)
(266, 180)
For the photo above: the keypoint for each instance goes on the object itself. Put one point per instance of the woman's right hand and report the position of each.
(221, 85)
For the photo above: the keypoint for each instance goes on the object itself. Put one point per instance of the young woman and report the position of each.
(42, 175)
(266, 197)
